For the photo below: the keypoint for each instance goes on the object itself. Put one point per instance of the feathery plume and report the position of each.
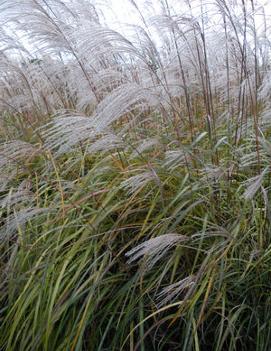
(154, 249)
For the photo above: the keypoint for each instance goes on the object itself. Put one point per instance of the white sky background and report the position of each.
(121, 12)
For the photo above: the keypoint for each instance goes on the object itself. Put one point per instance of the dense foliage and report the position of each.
(135, 176)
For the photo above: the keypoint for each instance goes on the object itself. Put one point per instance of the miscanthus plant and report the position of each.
(135, 176)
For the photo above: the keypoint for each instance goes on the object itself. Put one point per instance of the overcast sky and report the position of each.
(123, 12)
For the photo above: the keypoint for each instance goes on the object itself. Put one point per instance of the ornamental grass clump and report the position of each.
(135, 176)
